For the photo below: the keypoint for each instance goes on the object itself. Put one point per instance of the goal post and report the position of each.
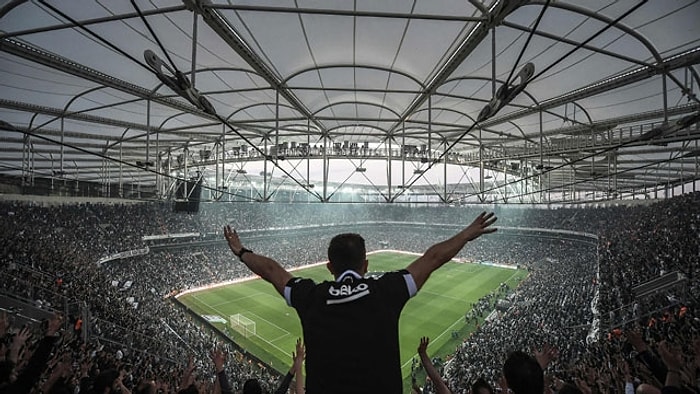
(243, 325)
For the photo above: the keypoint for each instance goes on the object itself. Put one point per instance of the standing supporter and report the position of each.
(523, 374)
(21, 379)
(351, 324)
(439, 385)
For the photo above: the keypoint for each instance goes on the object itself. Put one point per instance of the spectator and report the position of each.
(439, 385)
(523, 374)
(354, 320)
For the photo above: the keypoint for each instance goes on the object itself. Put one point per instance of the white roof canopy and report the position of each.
(612, 105)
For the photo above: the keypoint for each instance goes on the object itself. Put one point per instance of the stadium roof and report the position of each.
(392, 89)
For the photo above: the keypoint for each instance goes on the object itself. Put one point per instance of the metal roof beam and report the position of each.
(639, 74)
(220, 25)
(59, 113)
(466, 47)
(338, 12)
(54, 61)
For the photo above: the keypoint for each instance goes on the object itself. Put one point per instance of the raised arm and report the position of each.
(298, 368)
(294, 370)
(219, 358)
(442, 252)
(440, 386)
(265, 267)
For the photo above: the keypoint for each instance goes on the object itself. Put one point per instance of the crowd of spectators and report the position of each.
(49, 254)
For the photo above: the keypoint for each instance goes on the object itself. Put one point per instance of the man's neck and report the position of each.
(346, 273)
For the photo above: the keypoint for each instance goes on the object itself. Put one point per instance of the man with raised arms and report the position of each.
(351, 324)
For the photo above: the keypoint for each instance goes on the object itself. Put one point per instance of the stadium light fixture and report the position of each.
(144, 164)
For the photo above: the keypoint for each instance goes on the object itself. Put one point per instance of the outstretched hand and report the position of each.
(481, 225)
(442, 252)
(670, 355)
(423, 346)
(298, 356)
(636, 340)
(219, 358)
(233, 241)
(546, 355)
(21, 337)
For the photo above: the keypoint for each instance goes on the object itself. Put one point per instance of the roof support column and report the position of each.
(103, 179)
(121, 171)
(388, 172)
(77, 176)
(266, 150)
(276, 147)
(493, 61)
(217, 178)
(148, 133)
(277, 127)
(31, 163)
(108, 177)
(29, 148)
(185, 176)
(61, 172)
(430, 130)
(193, 74)
(481, 167)
(170, 171)
(523, 174)
(505, 182)
(26, 155)
(444, 175)
(695, 179)
(682, 179)
(403, 154)
(223, 185)
(665, 96)
(325, 167)
(541, 155)
(308, 159)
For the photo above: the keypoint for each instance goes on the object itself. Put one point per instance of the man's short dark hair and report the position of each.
(347, 252)
(252, 386)
(523, 374)
(104, 380)
(481, 384)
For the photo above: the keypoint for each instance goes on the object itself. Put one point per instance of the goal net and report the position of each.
(242, 324)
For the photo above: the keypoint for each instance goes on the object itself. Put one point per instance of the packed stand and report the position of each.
(49, 254)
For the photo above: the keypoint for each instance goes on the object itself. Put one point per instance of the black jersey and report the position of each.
(351, 331)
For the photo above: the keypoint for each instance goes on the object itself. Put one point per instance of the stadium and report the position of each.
(133, 132)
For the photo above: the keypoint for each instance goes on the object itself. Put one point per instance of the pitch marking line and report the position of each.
(234, 300)
(440, 295)
(268, 322)
(281, 336)
(201, 303)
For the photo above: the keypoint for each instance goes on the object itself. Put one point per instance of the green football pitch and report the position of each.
(437, 311)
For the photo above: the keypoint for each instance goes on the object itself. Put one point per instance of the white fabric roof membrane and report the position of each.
(600, 114)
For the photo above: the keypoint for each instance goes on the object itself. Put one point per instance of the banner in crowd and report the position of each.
(214, 319)
(123, 255)
(169, 236)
